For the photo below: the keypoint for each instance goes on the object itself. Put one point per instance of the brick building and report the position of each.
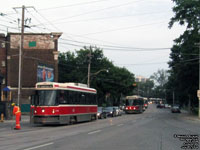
(40, 55)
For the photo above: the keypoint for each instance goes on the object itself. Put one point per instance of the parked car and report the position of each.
(101, 114)
(110, 111)
(160, 106)
(167, 106)
(118, 111)
(175, 109)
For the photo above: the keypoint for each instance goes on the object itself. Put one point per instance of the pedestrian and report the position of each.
(17, 114)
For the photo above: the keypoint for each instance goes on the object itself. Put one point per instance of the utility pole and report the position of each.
(173, 97)
(89, 65)
(21, 52)
(199, 78)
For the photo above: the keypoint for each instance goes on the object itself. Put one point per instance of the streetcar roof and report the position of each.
(64, 86)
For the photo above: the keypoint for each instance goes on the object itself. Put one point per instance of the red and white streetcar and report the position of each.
(63, 103)
(134, 104)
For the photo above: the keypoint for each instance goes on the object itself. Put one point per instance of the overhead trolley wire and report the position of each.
(94, 11)
(72, 5)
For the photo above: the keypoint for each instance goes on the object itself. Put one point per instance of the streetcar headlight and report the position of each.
(126, 108)
(98, 114)
(35, 112)
(43, 110)
(53, 111)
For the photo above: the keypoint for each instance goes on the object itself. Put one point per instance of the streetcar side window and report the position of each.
(63, 97)
(71, 97)
(83, 98)
(90, 99)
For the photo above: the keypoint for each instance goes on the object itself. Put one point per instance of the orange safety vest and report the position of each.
(16, 110)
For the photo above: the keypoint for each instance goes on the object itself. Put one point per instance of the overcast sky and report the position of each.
(132, 33)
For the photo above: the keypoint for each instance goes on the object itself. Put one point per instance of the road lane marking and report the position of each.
(39, 146)
(93, 132)
(120, 125)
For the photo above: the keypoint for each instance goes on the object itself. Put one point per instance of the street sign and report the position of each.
(198, 93)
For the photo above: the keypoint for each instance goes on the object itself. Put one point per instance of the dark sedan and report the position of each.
(101, 114)
(110, 111)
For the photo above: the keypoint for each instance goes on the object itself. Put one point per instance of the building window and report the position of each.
(2, 45)
(3, 63)
(4, 81)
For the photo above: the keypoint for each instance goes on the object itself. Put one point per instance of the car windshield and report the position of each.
(175, 106)
(109, 108)
(133, 102)
(47, 98)
(99, 109)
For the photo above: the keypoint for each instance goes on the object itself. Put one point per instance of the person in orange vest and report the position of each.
(17, 114)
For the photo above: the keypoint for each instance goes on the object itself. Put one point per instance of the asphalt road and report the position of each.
(155, 129)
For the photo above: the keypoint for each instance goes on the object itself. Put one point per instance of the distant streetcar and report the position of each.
(134, 104)
(63, 103)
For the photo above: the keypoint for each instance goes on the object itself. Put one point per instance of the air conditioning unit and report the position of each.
(3, 63)
(3, 45)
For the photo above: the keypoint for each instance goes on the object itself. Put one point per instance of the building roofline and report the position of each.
(52, 33)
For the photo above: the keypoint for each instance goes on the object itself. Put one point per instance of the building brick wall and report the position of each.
(3, 57)
(38, 49)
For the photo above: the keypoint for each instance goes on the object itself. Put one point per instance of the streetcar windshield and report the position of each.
(47, 98)
(133, 102)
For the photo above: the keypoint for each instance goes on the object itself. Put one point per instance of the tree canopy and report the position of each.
(110, 81)
(183, 79)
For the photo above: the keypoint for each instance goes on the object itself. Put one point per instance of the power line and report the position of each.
(125, 28)
(94, 11)
(105, 18)
(115, 49)
(113, 46)
(47, 20)
(72, 5)
(151, 63)
(38, 19)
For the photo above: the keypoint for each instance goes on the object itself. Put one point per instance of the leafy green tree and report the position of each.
(183, 78)
(160, 79)
(111, 85)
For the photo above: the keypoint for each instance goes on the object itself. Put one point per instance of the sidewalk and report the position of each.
(186, 115)
(24, 118)
(9, 125)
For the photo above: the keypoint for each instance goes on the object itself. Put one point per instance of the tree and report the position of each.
(73, 67)
(160, 79)
(184, 53)
(145, 89)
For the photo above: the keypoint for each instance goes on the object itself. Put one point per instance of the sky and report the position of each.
(132, 33)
